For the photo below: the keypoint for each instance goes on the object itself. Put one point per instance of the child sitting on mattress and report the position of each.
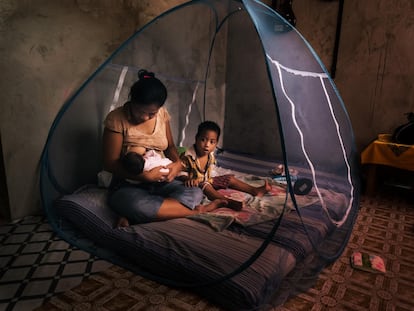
(198, 162)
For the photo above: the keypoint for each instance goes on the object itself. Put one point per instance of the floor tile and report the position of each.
(36, 264)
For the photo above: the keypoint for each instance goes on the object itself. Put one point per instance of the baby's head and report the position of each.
(207, 137)
(133, 162)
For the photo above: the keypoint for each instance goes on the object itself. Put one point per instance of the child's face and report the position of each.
(206, 143)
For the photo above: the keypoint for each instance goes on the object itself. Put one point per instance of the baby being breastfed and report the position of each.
(138, 159)
(154, 159)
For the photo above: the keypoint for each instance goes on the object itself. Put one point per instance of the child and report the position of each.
(198, 162)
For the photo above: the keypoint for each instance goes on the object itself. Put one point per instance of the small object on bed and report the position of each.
(278, 170)
(302, 186)
(236, 204)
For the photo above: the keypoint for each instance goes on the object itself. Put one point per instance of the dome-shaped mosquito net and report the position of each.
(240, 64)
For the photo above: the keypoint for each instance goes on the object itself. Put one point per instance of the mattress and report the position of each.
(239, 268)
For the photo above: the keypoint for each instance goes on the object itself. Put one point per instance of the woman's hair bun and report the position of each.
(144, 74)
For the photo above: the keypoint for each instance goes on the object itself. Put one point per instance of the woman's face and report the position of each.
(143, 113)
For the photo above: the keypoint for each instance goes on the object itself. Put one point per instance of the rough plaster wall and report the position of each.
(375, 68)
(376, 65)
(49, 47)
(242, 131)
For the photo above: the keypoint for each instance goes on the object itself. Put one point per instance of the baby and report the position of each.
(136, 160)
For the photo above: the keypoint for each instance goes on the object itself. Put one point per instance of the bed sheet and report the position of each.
(269, 207)
(331, 191)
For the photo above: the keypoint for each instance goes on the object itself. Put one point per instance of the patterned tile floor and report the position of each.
(35, 264)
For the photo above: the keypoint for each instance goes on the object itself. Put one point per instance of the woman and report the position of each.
(144, 122)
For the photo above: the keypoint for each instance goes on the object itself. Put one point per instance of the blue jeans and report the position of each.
(140, 203)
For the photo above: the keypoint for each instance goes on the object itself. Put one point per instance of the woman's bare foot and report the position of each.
(261, 191)
(122, 222)
(211, 206)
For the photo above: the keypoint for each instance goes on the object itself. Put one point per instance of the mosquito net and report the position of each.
(238, 63)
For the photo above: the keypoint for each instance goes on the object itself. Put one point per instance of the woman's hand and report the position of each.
(155, 175)
(174, 169)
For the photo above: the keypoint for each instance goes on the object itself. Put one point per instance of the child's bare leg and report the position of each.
(261, 191)
(213, 194)
(255, 191)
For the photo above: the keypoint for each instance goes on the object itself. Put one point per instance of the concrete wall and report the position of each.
(48, 48)
(375, 70)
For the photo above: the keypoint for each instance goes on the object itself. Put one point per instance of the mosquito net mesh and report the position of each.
(238, 63)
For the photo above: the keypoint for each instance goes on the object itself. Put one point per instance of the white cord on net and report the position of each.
(321, 77)
(119, 88)
(187, 116)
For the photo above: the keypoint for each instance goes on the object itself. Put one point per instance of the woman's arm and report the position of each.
(172, 153)
(112, 150)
